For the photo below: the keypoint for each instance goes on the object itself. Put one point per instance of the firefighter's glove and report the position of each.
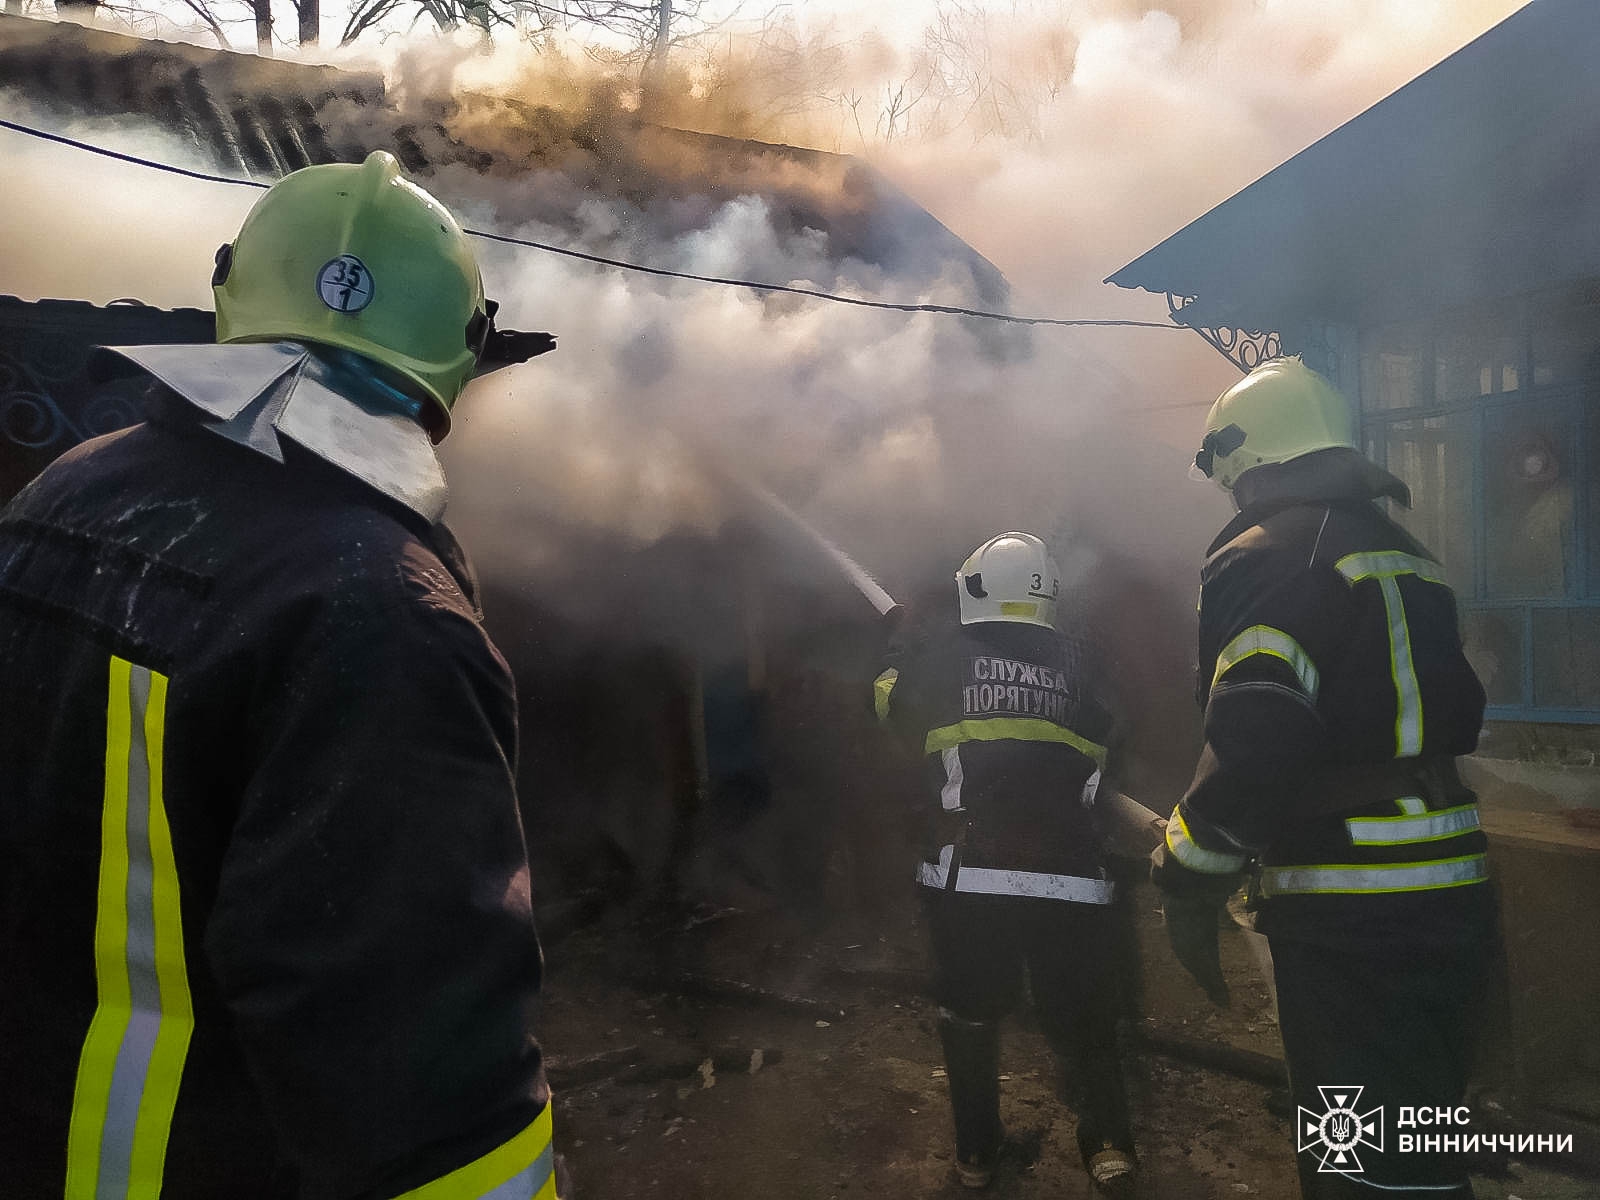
(1191, 922)
(1192, 904)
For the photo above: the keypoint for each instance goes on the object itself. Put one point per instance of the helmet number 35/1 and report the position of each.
(345, 284)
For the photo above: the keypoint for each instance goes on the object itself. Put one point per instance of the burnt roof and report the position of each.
(263, 117)
(1480, 177)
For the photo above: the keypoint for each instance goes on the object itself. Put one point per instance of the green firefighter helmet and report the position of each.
(1280, 411)
(1009, 578)
(359, 257)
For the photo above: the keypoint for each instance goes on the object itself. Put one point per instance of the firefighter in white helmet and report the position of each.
(1336, 698)
(1002, 707)
(266, 926)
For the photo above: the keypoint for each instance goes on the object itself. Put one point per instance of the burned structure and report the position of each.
(1438, 257)
(707, 724)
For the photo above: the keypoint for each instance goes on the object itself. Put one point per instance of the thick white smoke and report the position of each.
(1060, 140)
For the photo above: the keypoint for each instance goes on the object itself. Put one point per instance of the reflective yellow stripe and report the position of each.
(521, 1169)
(1378, 563)
(132, 1058)
(1386, 566)
(1374, 878)
(1010, 729)
(1400, 831)
(882, 688)
(1196, 857)
(1264, 639)
(1018, 608)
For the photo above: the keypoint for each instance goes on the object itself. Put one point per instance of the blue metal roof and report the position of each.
(1480, 177)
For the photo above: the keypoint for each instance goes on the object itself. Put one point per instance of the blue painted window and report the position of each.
(1493, 418)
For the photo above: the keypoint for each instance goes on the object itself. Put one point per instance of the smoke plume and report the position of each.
(1059, 140)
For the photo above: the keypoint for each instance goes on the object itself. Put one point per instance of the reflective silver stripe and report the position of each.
(1393, 877)
(1264, 639)
(954, 777)
(525, 1184)
(1198, 858)
(1408, 693)
(1389, 562)
(132, 1059)
(1386, 566)
(1395, 831)
(521, 1169)
(989, 881)
(1412, 806)
(1091, 789)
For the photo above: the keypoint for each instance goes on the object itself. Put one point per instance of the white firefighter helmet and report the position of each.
(1009, 578)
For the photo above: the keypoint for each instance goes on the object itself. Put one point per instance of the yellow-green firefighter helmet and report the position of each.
(359, 257)
(1280, 411)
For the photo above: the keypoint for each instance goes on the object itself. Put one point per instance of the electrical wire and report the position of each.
(620, 264)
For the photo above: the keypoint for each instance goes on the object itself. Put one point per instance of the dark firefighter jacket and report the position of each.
(265, 923)
(1011, 735)
(1336, 697)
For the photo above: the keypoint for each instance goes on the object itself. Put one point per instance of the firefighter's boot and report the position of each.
(972, 1064)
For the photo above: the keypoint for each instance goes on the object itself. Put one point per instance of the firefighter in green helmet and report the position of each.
(265, 921)
(1336, 699)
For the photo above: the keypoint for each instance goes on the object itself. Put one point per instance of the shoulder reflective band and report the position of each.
(1377, 563)
(1391, 877)
(1263, 639)
(1399, 831)
(1197, 858)
(521, 1169)
(1010, 729)
(132, 1058)
(988, 881)
(1386, 566)
(882, 687)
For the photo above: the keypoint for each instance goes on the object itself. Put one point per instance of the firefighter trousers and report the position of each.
(1387, 1030)
(1075, 965)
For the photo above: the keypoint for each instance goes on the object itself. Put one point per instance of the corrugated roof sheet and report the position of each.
(1481, 176)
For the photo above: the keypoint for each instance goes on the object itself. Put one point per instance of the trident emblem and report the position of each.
(1336, 1133)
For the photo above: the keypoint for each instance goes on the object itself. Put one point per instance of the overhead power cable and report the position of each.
(600, 259)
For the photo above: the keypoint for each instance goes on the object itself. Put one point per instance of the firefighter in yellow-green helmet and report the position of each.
(267, 900)
(360, 258)
(1336, 699)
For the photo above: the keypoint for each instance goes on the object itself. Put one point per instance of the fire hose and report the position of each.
(1132, 827)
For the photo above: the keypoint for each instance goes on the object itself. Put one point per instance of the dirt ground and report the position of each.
(675, 1077)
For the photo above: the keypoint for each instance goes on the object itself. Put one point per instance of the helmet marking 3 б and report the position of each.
(1009, 578)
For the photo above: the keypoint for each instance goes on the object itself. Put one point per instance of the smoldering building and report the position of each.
(696, 706)
(1438, 257)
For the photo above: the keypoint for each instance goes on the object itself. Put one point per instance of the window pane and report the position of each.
(1566, 657)
(1492, 639)
(1434, 457)
(1528, 499)
(1477, 361)
(1392, 368)
(1566, 338)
